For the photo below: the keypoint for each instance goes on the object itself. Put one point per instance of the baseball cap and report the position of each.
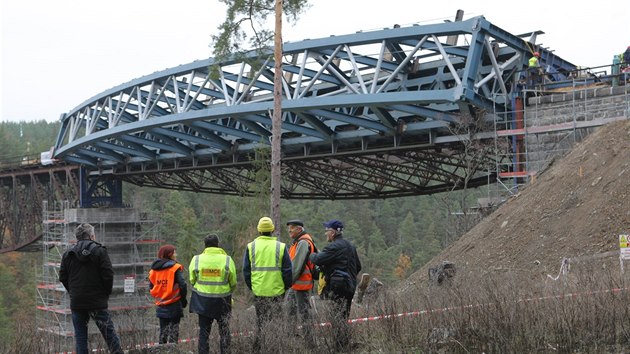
(334, 224)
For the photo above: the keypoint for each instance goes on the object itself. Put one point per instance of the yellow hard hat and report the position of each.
(265, 224)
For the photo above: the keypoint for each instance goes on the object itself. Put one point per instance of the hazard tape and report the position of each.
(403, 315)
(445, 309)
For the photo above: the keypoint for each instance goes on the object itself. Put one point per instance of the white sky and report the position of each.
(57, 54)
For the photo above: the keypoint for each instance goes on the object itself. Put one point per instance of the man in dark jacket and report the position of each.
(340, 264)
(86, 273)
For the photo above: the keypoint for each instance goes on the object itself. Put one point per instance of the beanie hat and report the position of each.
(265, 224)
(166, 251)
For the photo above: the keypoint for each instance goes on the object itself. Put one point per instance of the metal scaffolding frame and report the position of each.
(131, 239)
(536, 133)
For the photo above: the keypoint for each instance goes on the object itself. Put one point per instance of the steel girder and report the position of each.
(356, 95)
(392, 173)
(22, 193)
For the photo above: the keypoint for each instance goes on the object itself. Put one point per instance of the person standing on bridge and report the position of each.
(534, 70)
(267, 273)
(303, 269)
(340, 263)
(625, 62)
(86, 273)
(168, 286)
(213, 277)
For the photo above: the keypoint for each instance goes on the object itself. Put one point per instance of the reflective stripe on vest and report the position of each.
(265, 254)
(165, 290)
(219, 285)
(305, 281)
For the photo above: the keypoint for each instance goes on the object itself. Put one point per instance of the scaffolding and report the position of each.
(131, 240)
(545, 125)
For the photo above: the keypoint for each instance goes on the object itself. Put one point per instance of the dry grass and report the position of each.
(586, 312)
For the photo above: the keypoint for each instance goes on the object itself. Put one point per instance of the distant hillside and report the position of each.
(576, 208)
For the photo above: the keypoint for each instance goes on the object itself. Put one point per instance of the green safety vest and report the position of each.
(533, 62)
(265, 255)
(210, 273)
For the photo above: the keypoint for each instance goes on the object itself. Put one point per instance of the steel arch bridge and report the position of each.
(365, 115)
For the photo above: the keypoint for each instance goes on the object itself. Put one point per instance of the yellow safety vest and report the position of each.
(210, 273)
(265, 256)
(533, 62)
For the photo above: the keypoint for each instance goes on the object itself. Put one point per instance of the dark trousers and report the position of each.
(103, 320)
(267, 308)
(169, 330)
(534, 77)
(339, 322)
(205, 326)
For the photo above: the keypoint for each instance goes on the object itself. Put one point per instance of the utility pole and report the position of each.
(276, 121)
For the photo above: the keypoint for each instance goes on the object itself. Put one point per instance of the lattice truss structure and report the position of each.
(366, 115)
(23, 191)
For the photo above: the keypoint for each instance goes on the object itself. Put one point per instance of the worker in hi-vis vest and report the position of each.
(298, 297)
(168, 287)
(213, 277)
(533, 67)
(267, 273)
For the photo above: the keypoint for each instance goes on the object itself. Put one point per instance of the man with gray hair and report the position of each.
(86, 273)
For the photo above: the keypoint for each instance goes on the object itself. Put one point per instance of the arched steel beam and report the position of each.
(352, 94)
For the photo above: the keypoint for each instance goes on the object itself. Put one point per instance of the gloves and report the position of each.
(184, 302)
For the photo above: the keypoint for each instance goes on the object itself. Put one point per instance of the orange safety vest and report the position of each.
(165, 290)
(305, 281)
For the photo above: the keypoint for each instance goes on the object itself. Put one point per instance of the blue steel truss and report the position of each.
(365, 115)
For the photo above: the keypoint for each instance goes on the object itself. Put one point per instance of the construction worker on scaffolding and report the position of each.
(625, 61)
(534, 69)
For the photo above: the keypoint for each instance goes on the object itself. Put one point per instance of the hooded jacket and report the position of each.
(174, 310)
(86, 273)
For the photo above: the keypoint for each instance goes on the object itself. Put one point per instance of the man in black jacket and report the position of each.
(340, 263)
(86, 273)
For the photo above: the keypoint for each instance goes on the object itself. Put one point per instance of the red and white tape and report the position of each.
(404, 314)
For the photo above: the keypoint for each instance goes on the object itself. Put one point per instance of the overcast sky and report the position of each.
(57, 54)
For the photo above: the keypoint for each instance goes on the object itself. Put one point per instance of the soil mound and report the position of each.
(575, 209)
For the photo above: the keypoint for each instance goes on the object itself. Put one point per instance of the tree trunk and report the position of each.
(276, 121)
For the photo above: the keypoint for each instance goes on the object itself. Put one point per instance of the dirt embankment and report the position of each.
(575, 209)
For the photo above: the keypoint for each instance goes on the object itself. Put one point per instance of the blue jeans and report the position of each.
(103, 320)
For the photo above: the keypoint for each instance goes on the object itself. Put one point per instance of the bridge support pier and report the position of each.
(99, 190)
